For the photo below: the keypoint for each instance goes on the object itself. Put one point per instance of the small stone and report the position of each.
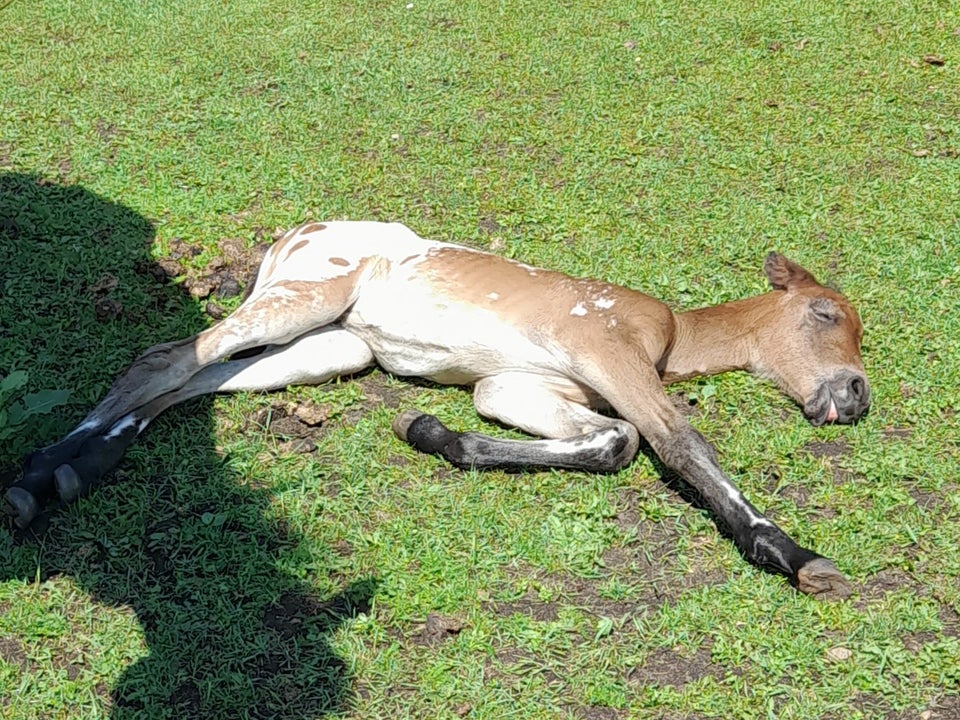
(312, 414)
(170, 268)
(439, 628)
(202, 287)
(234, 250)
(297, 446)
(839, 654)
(107, 309)
(215, 311)
(229, 287)
(105, 284)
(289, 428)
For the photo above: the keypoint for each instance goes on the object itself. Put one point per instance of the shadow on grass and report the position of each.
(175, 535)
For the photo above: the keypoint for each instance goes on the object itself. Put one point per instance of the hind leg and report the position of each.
(577, 437)
(71, 467)
(275, 315)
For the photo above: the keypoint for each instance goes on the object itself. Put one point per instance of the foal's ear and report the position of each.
(785, 274)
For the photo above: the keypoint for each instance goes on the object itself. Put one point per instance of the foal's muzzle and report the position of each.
(844, 398)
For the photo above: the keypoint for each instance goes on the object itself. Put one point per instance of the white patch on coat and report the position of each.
(121, 425)
(598, 441)
(604, 303)
(461, 343)
(493, 296)
(83, 427)
(579, 310)
(737, 498)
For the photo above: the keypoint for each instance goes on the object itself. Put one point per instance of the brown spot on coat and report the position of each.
(408, 259)
(311, 227)
(298, 246)
(339, 292)
(274, 252)
(339, 261)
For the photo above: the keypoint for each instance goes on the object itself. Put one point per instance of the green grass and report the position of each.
(666, 146)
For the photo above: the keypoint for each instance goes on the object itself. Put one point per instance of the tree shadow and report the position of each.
(175, 534)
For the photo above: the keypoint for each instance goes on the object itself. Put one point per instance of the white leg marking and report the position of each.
(121, 425)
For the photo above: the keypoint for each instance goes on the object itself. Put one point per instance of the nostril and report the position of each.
(857, 387)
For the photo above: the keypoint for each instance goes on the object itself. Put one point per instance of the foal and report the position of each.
(578, 362)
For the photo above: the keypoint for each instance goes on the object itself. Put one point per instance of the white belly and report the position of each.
(413, 333)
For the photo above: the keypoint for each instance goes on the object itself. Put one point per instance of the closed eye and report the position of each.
(825, 311)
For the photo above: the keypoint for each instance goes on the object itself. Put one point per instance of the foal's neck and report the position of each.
(715, 339)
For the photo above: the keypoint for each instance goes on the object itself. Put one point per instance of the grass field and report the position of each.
(227, 571)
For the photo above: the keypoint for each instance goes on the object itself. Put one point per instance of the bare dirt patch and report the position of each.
(293, 614)
(298, 425)
(378, 391)
(945, 708)
(827, 449)
(886, 581)
(509, 664)
(828, 452)
(13, 652)
(595, 712)
(932, 501)
(914, 642)
(675, 668)
(438, 629)
(587, 594)
(795, 492)
(225, 275)
(895, 433)
(951, 623)
(529, 605)
(285, 616)
(628, 516)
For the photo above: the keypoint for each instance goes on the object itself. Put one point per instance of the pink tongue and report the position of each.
(832, 413)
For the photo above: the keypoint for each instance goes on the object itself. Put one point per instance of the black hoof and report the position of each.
(68, 483)
(22, 505)
(424, 432)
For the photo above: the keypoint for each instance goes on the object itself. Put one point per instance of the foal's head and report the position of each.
(810, 345)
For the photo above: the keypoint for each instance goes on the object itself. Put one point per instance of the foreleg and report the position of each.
(763, 543)
(686, 452)
(578, 438)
